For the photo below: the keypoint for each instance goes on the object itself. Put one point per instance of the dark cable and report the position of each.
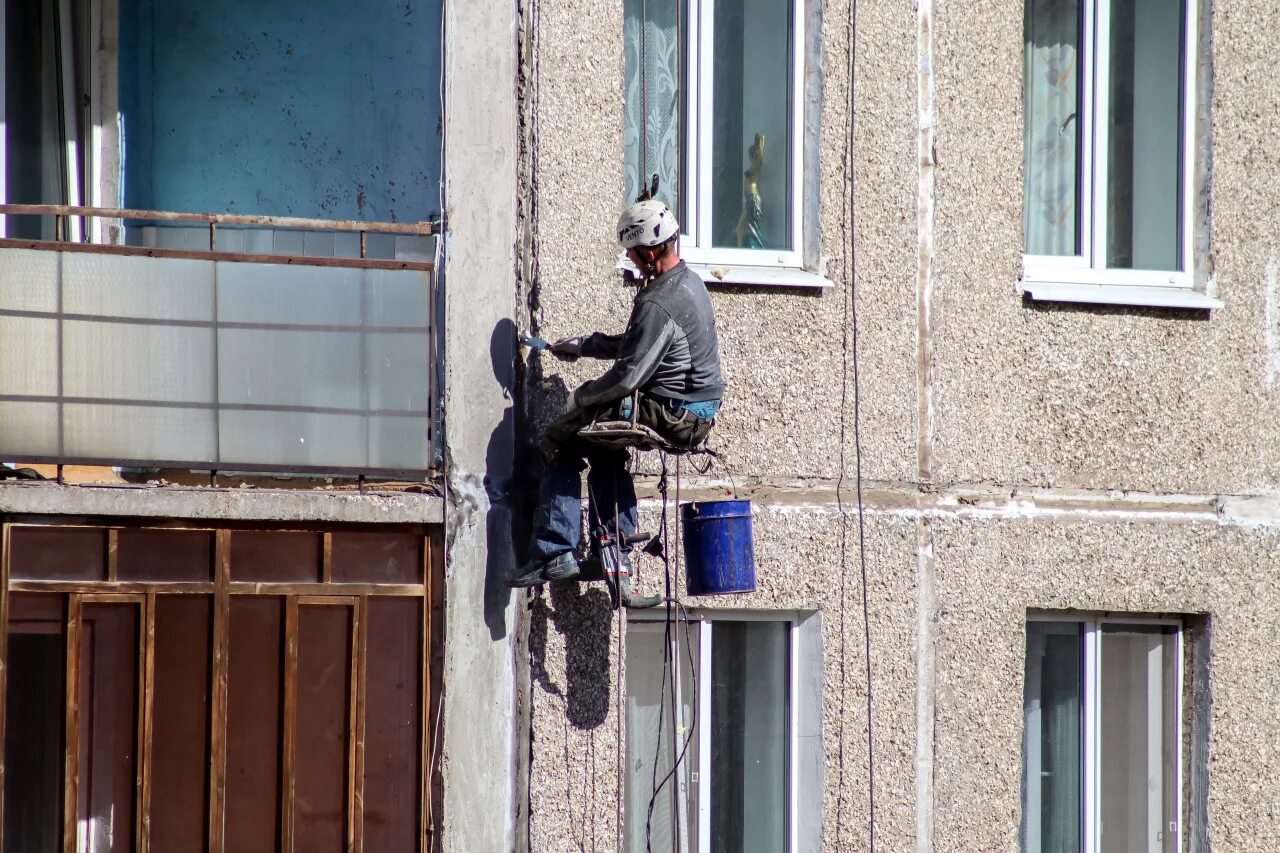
(850, 360)
(666, 661)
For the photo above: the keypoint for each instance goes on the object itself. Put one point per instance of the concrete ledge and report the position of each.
(223, 504)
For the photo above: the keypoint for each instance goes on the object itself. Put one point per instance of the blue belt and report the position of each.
(704, 410)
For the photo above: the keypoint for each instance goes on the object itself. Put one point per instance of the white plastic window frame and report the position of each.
(725, 265)
(1091, 741)
(1085, 277)
(703, 621)
(698, 145)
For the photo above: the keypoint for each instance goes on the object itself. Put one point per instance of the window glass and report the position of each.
(651, 735)
(651, 131)
(1052, 706)
(751, 138)
(1052, 127)
(749, 711)
(1144, 134)
(43, 125)
(1138, 755)
(1101, 739)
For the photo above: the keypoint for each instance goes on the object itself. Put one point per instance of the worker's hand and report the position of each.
(567, 349)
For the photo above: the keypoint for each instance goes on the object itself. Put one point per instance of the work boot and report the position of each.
(637, 602)
(537, 572)
(622, 582)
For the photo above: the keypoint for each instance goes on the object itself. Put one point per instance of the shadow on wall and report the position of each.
(499, 464)
(581, 616)
(579, 613)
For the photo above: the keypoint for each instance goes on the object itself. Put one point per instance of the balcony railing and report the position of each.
(174, 347)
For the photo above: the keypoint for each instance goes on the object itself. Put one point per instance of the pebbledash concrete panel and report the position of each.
(787, 354)
(1101, 396)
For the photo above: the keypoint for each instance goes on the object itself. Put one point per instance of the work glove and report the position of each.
(573, 406)
(567, 349)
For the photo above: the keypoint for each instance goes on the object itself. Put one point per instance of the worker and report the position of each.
(669, 352)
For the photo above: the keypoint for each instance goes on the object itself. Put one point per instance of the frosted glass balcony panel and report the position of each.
(399, 298)
(396, 382)
(28, 356)
(28, 281)
(139, 433)
(297, 295)
(214, 364)
(290, 368)
(29, 429)
(119, 286)
(293, 439)
(398, 443)
(127, 361)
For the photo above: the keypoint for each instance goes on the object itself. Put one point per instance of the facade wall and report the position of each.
(1015, 455)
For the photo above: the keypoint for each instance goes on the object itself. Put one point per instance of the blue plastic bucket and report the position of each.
(719, 554)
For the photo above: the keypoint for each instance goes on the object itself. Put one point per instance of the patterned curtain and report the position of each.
(1051, 130)
(651, 137)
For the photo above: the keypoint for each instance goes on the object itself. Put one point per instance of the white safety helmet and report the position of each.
(646, 223)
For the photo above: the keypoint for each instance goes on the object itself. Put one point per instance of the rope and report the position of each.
(617, 533)
(644, 95)
(669, 670)
(851, 365)
(657, 749)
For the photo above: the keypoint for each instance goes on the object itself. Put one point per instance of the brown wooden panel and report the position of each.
(71, 730)
(393, 725)
(108, 725)
(92, 587)
(253, 725)
(34, 751)
(164, 555)
(218, 711)
(377, 558)
(269, 557)
(58, 553)
(290, 719)
(37, 607)
(321, 760)
(179, 782)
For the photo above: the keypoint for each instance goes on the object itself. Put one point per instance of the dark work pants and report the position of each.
(557, 522)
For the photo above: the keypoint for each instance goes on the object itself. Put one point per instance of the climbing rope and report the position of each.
(644, 95)
(851, 371)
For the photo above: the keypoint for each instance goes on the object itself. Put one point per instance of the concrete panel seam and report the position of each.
(925, 210)
(926, 607)
(1271, 316)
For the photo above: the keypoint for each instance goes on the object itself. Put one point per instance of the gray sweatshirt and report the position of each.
(669, 349)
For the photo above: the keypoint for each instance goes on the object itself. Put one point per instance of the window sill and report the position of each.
(1113, 294)
(742, 274)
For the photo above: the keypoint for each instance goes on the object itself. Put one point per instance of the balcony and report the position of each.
(218, 342)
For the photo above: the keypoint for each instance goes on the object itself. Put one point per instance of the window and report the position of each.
(713, 95)
(1109, 143)
(326, 111)
(1102, 709)
(738, 778)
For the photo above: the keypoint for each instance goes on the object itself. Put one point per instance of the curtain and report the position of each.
(649, 703)
(1052, 770)
(651, 131)
(1051, 130)
(39, 126)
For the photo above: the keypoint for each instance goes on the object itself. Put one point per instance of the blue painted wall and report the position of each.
(319, 108)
